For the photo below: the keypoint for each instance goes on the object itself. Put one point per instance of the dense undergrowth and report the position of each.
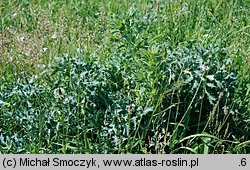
(134, 77)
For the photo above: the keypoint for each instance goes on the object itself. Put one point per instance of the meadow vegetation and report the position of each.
(125, 76)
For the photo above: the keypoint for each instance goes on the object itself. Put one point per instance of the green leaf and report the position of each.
(210, 77)
(211, 85)
(149, 109)
(4, 103)
(199, 135)
(210, 97)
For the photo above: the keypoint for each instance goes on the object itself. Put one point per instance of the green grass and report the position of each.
(125, 76)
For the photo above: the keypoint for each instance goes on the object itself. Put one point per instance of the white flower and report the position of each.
(59, 92)
(54, 36)
(44, 49)
(14, 14)
(22, 38)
